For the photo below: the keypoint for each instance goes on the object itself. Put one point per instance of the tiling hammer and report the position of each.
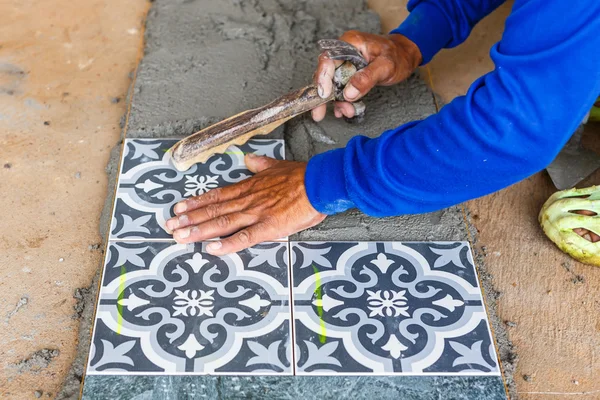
(238, 129)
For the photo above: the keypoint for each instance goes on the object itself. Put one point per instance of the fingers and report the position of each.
(203, 214)
(319, 113)
(220, 226)
(245, 238)
(357, 39)
(253, 162)
(365, 79)
(324, 76)
(587, 234)
(257, 164)
(343, 109)
(210, 197)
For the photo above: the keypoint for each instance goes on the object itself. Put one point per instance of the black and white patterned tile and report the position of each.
(149, 185)
(389, 308)
(167, 308)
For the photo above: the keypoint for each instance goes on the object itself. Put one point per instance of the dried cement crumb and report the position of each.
(81, 295)
(38, 393)
(21, 303)
(37, 361)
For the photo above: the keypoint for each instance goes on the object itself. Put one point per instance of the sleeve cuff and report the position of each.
(428, 28)
(325, 183)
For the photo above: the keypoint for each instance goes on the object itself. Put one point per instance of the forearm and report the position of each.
(434, 25)
(511, 124)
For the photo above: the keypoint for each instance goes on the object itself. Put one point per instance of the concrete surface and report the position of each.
(64, 72)
(68, 63)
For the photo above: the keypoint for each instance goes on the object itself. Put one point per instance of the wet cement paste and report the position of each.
(206, 60)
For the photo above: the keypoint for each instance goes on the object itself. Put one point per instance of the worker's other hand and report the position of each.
(391, 58)
(268, 206)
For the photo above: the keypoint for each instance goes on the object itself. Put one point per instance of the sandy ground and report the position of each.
(64, 72)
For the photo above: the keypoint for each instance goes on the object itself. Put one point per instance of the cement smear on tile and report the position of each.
(206, 60)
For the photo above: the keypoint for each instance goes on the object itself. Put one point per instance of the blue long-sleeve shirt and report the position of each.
(511, 124)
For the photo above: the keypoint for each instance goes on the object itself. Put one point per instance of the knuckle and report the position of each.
(212, 211)
(387, 63)
(212, 195)
(270, 221)
(352, 33)
(362, 79)
(353, 37)
(244, 237)
(223, 221)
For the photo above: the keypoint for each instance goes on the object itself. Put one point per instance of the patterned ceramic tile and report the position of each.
(168, 308)
(389, 308)
(149, 185)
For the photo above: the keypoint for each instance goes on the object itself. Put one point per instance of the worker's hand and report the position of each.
(268, 206)
(391, 58)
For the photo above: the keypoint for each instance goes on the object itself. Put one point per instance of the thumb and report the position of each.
(365, 79)
(258, 163)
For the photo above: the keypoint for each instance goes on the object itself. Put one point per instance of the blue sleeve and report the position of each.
(510, 125)
(436, 24)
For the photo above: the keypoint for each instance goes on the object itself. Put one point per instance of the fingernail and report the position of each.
(320, 91)
(351, 92)
(251, 155)
(173, 224)
(180, 207)
(214, 246)
(183, 233)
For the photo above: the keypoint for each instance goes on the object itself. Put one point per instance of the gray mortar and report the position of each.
(37, 361)
(206, 60)
(507, 353)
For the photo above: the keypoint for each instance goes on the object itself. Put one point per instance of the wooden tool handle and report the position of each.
(241, 127)
(259, 121)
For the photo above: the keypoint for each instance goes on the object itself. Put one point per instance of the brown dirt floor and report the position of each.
(64, 74)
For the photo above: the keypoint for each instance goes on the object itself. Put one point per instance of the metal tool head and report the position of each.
(340, 50)
(354, 61)
(573, 164)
